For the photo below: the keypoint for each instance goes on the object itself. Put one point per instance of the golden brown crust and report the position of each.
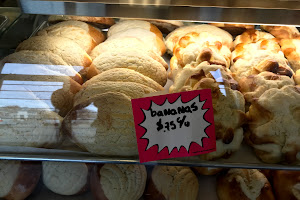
(251, 36)
(156, 31)
(282, 32)
(291, 50)
(284, 183)
(28, 176)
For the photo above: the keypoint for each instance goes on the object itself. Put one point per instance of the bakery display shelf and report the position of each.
(239, 11)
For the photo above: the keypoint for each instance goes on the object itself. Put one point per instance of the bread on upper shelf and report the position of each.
(282, 32)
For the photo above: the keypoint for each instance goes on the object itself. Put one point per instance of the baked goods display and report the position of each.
(66, 178)
(18, 179)
(282, 32)
(248, 184)
(114, 182)
(172, 182)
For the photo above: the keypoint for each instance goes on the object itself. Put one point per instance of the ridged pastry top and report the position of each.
(175, 183)
(176, 35)
(65, 178)
(124, 25)
(9, 170)
(274, 123)
(251, 181)
(252, 36)
(123, 181)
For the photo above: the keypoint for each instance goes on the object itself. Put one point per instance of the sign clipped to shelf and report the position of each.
(174, 125)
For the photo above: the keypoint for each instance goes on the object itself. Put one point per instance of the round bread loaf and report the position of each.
(86, 36)
(282, 32)
(103, 125)
(132, 59)
(103, 21)
(254, 86)
(18, 179)
(273, 125)
(208, 171)
(286, 184)
(124, 75)
(66, 178)
(43, 58)
(113, 182)
(68, 50)
(170, 182)
(252, 36)
(124, 25)
(176, 35)
(149, 38)
(245, 184)
(127, 43)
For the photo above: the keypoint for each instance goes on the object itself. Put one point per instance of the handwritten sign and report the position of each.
(174, 125)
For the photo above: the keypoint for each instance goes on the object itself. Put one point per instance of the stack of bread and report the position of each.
(127, 65)
(268, 84)
(201, 59)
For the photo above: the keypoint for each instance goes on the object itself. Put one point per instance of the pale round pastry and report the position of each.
(176, 35)
(149, 38)
(103, 125)
(245, 184)
(53, 62)
(254, 86)
(282, 32)
(131, 59)
(114, 182)
(66, 178)
(124, 25)
(291, 50)
(254, 58)
(273, 125)
(126, 43)
(252, 36)
(286, 184)
(103, 21)
(124, 75)
(172, 182)
(85, 35)
(68, 50)
(18, 179)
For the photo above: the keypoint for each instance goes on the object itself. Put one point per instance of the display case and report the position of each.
(69, 70)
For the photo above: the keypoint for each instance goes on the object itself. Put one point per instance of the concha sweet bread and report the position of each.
(286, 184)
(172, 182)
(67, 49)
(282, 32)
(176, 35)
(252, 36)
(245, 184)
(273, 125)
(66, 178)
(114, 182)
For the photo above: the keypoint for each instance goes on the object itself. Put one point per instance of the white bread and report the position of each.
(18, 178)
(66, 178)
(68, 50)
(86, 36)
(114, 182)
(132, 59)
(150, 39)
(176, 35)
(124, 25)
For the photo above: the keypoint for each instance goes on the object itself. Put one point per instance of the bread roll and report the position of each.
(86, 36)
(208, 171)
(43, 58)
(114, 182)
(245, 184)
(103, 21)
(291, 50)
(286, 184)
(252, 36)
(282, 32)
(66, 178)
(124, 25)
(234, 29)
(170, 182)
(126, 43)
(149, 38)
(176, 35)
(18, 179)
(131, 59)
(274, 128)
(68, 50)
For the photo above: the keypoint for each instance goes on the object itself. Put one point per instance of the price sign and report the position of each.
(174, 125)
